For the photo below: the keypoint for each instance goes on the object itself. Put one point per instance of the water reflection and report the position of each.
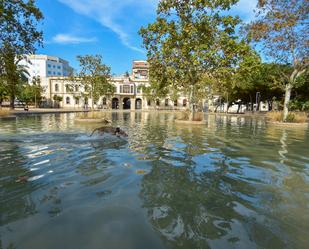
(234, 182)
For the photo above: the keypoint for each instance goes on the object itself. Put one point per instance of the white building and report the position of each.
(46, 66)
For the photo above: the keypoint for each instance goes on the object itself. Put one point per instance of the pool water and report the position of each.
(231, 183)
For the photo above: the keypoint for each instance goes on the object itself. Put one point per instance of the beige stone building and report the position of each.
(128, 93)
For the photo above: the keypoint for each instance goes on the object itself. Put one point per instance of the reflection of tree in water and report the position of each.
(16, 201)
(194, 209)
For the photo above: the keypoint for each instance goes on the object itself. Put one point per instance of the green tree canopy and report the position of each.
(94, 76)
(282, 28)
(18, 36)
(190, 39)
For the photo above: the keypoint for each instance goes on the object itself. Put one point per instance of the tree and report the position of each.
(94, 76)
(3, 90)
(18, 36)
(282, 29)
(188, 40)
(37, 89)
(30, 93)
(57, 99)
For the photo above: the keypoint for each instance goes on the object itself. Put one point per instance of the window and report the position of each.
(76, 88)
(68, 100)
(149, 102)
(166, 102)
(49, 66)
(54, 66)
(59, 67)
(67, 88)
(59, 73)
(54, 73)
(104, 101)
(49, 72)
(132, 90)
(184, 102)
(121, 91)
(77, 101)
(158, 102)
(56, 88)
(126, 88)
(175, 102)
(139, 89)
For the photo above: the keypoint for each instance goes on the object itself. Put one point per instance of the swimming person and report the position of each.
(110, 130)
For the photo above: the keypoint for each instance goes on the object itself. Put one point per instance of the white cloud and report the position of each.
(245, 9)
(125, 17)
(72, 39)
(120, 16)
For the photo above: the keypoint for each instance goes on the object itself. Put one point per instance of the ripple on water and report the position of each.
(233, 183)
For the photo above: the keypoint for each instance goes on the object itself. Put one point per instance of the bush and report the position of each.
(198, 116)
(4, 113)
(293, 117)
(299, 105)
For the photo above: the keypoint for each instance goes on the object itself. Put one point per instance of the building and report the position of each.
(128, 93)
(46, 66)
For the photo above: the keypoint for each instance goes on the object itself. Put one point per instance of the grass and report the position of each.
(198, 116)
(293, 117)
(4, 112)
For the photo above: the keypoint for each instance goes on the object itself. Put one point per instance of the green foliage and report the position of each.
(18, 36)
(191, 41)
(282, 29)
(31, 93)
(94, 76)
(57, 98)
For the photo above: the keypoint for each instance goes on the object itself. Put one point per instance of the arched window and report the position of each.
(68, 100)
(56, 88)
(77, 101)
(184, 102)
(76, 88)
(104, 101)
(175, 102)
(149, 102)
(158, 102)
(67, 88)
(166, 102)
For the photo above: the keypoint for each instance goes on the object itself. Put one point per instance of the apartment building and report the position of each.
(46, 66)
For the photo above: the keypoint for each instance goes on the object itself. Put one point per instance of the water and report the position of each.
(232, 183)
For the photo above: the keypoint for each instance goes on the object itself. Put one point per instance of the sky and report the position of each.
(105, 27)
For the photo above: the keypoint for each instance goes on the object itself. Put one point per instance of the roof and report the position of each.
(140, 64)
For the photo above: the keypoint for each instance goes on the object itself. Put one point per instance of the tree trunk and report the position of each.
(191, 104)
(216, 109)
(12, 102)
(251, 103)
(270, 105)
(288, 89)
(239, 105)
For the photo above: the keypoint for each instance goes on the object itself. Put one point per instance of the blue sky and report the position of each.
(106, 27)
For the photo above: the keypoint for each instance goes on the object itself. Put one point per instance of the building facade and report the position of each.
(59, 91)
(44, 66)
(128, 94)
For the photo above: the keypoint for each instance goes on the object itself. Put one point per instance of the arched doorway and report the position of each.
(126, 103)
(115, 103)
(138, 104)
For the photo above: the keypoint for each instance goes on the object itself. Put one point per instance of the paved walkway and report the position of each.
(45, 111)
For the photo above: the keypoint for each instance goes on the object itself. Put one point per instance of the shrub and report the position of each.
(293, 117)
(4, 113)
